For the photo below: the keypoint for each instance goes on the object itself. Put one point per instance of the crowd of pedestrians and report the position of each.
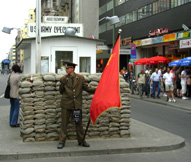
(171, 81)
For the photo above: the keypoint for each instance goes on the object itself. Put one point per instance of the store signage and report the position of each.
(174, 45)
(137, 43)
(186, 43)
(125, 41)
(133, 53)
(146, 41)
(55, 19)
(181, 35)
(157, 40)
(53, 29)
(169, 37)
(158, 32)
(125, 51)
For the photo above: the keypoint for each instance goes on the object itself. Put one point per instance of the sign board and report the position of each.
(181, 35)
(125, 51)
(158, 32)
(125, 41)
(186, 43)
(146, 41)
(53, 29)
(169, 37)
(137, 43)
(133, 46)
(157, 40)
(55, 19)
(133, 53)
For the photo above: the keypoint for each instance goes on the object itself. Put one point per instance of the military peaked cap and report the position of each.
(68, 64)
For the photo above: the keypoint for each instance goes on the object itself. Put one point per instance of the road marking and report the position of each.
(2, 96)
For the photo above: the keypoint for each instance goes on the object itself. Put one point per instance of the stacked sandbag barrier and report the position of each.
(40, 111)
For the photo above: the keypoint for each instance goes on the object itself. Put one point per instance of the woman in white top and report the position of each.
(183, 83)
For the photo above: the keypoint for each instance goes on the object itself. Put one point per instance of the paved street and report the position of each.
(173, 120)
(3, 84)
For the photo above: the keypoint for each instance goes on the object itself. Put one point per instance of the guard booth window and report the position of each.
(85, 64)
(62, 56)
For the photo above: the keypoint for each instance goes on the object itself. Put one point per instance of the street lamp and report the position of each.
(112, 20)
(8, 30)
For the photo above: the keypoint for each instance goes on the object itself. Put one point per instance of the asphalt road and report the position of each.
(3, 84)
(167, 118)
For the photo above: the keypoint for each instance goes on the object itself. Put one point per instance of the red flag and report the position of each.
(107, 94)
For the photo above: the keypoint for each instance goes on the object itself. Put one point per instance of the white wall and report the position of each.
(80, 48)
(27, 60)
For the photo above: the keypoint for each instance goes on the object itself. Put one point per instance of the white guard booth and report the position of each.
(57, 49)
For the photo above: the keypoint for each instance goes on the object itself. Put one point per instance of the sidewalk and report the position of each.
(144, 138)
(181, 104)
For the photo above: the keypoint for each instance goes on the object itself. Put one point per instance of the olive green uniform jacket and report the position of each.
(71, 89)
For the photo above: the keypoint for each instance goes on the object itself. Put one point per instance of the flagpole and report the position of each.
(85, 132)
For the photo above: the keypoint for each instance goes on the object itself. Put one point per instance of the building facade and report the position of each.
(84, 12)
(12, 55)
(157, 27)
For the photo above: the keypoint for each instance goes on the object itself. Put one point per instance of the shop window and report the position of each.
(62, 56)
(85, 64)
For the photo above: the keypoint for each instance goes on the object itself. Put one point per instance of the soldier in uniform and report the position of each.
(71, 89)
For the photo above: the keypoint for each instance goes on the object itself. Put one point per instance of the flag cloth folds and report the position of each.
(107, 94)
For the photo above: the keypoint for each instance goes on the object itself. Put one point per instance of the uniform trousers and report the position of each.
(66, 116)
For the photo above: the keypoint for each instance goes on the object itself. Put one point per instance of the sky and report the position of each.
(12, 14)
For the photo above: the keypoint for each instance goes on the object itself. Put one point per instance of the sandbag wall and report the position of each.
(40, 111)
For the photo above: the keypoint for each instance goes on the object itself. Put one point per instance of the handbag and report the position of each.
(7, 90)
(76, 115)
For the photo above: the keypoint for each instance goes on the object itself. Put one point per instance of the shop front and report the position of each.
(171, 45)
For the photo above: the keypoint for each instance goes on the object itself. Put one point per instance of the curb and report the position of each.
(161, 103)
(21, 156)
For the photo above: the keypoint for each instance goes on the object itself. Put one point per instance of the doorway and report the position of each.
(60, 57)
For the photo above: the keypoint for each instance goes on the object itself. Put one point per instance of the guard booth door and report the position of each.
(60, 57)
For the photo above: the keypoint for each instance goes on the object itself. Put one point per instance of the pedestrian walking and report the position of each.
(178, 80)
(155, 81)
(71, 90)
(14, 95)
(184, 77)
(162, 83)
(147, 85)
(168, 80)
(140, 81)
(151, 86)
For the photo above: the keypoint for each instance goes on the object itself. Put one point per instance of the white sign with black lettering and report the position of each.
(53, 29)
(55, 19)
(125, 51)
